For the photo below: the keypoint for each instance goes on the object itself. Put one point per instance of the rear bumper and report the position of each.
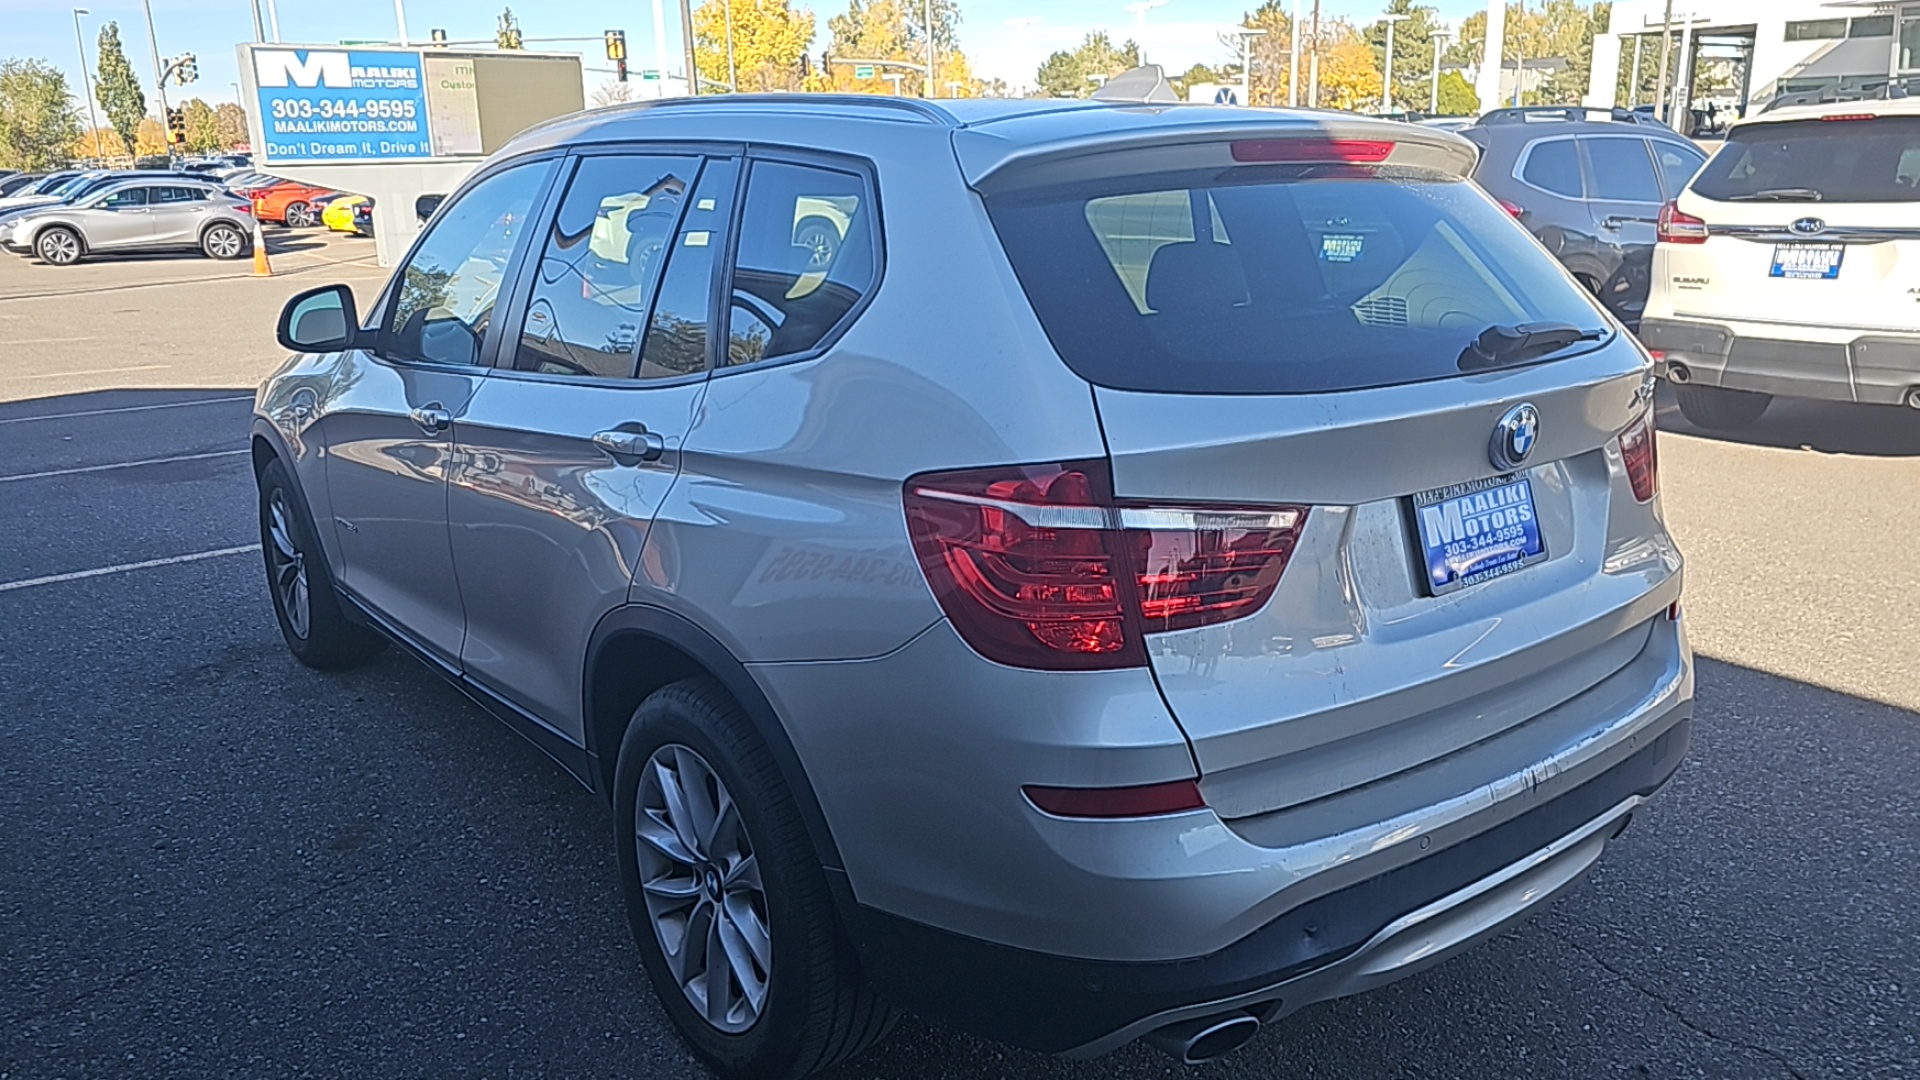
(1345, 942)
(1871, 369)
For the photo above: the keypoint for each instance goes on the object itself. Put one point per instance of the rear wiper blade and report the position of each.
(1500, 346)
(1780, 194)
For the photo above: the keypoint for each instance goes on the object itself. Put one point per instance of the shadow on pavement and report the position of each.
(1823, 426)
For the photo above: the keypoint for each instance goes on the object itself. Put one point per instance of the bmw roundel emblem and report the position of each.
(1514, 437)
(1808, 226)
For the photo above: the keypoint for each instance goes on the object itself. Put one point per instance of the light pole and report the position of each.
(1293, 57)
(1433, 103)
(953, 88)
(894, 77)
(86, 78)
(1386, 81)
(1313, 61)
(733, 73)
(1246, 35)
(660, 44)
(160, 79)
(1140, 9)
(400, 16)
(926, 85)
(273, 20)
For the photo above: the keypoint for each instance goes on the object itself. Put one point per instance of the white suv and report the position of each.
(1791, 265)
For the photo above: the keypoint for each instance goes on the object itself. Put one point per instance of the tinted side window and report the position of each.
(677, 333)
(127, 197)
(1677, 166)
(600, 267)
(447, 289)
(1554, 165)
(806, 258)
(1622, 171)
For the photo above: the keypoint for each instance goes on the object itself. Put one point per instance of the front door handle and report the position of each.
(627, 447)
(1613, 223)
(432, 419)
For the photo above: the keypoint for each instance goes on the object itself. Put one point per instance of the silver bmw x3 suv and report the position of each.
(1085, 572)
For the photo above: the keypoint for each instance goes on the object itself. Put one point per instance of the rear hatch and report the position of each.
(1807, 223)
(1366, 439)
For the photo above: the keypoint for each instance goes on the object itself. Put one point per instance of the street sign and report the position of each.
(863, 71)
(342, 104)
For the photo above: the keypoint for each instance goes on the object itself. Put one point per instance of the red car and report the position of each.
(288, 203)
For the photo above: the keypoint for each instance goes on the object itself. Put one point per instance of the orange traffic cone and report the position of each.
(261, 267)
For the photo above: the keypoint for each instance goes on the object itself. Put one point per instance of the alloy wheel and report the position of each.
(60, 247)
(702, 887)
(224, 243)
(288, 565)
(298, 216)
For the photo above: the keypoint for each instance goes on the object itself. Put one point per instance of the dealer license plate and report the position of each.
(1809, 261)
(1473, 532)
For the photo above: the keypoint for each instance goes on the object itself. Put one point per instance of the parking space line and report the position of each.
(122, 568)
(94, 371)
(121, 465)
(125, 409)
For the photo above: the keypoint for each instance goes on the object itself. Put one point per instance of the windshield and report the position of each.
(1284, 279)
(1855, 160)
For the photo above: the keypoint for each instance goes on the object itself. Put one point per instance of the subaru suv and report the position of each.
(1085, 572)
(1790, 266)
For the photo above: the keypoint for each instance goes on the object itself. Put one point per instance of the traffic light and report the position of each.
(189, 69)
(177, 125)
(439, 36)
(617, 52)
(806, 64)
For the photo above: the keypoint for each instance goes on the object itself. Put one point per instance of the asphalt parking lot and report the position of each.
(217, 863)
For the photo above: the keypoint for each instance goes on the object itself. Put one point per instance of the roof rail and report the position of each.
(922, 110)
(1522, 114)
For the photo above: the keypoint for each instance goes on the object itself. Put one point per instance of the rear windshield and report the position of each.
(1277, 279)
(1874, 160)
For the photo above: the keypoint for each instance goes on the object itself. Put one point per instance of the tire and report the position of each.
(814, 1009)
(1719, 408)
(821, 239)
(223, 241)
(298, 215)
(305, 602)
(59, 246)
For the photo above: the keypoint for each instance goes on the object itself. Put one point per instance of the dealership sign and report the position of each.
(344, 104)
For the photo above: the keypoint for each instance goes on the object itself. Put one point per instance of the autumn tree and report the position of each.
(1562, 29)
(768, 37)
(894, 30)
(231, 123)
(1079, 73)
(37, 120)
(203, 126)
(118, 88)
(1270, 53)
(1348, 77)
(1197, 74)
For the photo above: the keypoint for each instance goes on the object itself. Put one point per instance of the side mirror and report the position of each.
(319, 320)
(425, 205)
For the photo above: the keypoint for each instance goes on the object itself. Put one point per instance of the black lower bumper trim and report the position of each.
(1053, 1004)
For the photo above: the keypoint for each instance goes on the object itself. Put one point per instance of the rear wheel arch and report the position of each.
(638, 649)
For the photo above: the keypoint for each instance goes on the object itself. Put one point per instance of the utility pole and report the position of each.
(733, 71)
(1293, 58)
(1666, 55)
(1313, 61)
(159, 79)
(926, 88)
(686, 39)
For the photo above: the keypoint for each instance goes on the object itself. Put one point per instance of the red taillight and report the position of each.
(1146, 800)
(1849, 116)
(1642, 457)
(1677, 227)
(1512, 208)
(1313, 151)
(1040, 567)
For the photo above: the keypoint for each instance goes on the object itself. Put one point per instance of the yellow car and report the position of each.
(338, 215)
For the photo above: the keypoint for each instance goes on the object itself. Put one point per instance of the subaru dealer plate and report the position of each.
(1810, 261)
(1472, 532)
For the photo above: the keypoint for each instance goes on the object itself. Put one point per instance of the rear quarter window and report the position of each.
(1275, 279)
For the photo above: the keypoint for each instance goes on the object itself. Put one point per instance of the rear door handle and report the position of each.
(630, 447)
(432, 419)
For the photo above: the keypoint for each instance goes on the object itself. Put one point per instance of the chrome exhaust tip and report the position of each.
(1677, 372)
(1913, 398)
(1194, 1041)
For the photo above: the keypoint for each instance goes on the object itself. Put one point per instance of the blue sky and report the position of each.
(1179, 34)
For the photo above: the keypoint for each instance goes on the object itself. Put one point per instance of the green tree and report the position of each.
(894, 30)
(1080, 72)
(1200, 73)
(203, 126)
(1456, 95)
(232, 125)
(38, 124)
(1270, 52)
(1412, 48)
(118, 88)
(1559, 29)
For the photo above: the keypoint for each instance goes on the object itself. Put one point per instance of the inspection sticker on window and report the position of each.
(1341, 247)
